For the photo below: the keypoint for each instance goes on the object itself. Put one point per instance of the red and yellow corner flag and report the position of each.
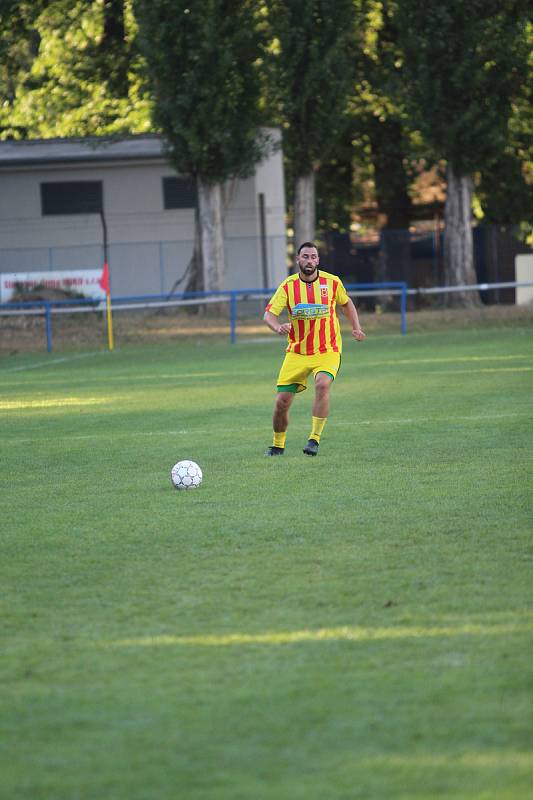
(104, 278)
(105, 285)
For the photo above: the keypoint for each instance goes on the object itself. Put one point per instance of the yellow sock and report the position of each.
(279, 438)
(317, 427)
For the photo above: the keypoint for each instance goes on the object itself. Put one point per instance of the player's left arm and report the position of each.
(350, 312)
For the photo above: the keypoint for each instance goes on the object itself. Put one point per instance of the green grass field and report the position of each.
(357, 625)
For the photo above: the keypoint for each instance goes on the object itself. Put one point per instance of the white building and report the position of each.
(51, 193)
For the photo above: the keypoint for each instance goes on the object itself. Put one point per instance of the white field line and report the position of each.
(417, 420)
(105, 436)
(56, 402)
(448, 360)
(178, 376)
(47, 363)
(347, 633)
(472, 371)
(194, 431)
(155, 376)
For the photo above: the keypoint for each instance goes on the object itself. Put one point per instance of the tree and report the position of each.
(505, 187)
(70, 68)
(377, 112)
(203, 71)
(375, 136)
(505, 195)
(463, 63)
(376, 148)
(377, 106)
(19, 45)
(108, 57)
(312, 51)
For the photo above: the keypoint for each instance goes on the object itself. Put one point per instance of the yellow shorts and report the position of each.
(296, 369)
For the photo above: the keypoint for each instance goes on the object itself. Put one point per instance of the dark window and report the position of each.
(71, 197)
(179, 193)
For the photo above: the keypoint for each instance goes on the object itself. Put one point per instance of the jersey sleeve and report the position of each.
(278, 301)
(342, 295)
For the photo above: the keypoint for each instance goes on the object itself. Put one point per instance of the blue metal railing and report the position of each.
(188, 298)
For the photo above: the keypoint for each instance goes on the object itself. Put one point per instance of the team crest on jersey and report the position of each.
(309, 311)
(324, 291)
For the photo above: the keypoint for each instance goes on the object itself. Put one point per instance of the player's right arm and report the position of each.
(282, 329)
(276, 304)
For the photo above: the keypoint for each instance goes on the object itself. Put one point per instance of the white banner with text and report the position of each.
(76, 281)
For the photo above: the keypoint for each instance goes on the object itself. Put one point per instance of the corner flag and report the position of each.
(105, 285)
(104, 278)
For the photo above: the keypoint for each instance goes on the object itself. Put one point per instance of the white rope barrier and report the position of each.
(119, 306)
(479, 287)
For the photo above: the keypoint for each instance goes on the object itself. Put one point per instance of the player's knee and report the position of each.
(322, 384)
(283, 400)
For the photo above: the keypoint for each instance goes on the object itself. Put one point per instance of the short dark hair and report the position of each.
(307, 244)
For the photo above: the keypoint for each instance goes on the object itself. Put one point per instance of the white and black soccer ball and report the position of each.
(186, 475)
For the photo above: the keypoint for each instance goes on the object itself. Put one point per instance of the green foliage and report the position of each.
(505, 195)
(313, 45)
(354, 84)
(388, 145)
(203, 63)
(505, 191)
(354, 625)
(378, 114)
(71, 68)
(335, 188)
(19, 45)
(463, 64)
(377, 143)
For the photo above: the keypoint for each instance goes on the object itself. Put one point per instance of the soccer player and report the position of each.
(314, 342)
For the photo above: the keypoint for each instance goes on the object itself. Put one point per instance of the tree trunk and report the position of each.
(114, 30)
(211, 219)
(304, 209)
(458, 240)
(114, 45)
(388, 149)
(194, 269)
(393, 263)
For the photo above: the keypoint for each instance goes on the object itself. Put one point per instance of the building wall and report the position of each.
(149, 247)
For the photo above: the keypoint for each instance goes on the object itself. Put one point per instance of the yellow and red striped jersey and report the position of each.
(312, 312)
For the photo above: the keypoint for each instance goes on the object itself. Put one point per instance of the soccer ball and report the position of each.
(186, 475)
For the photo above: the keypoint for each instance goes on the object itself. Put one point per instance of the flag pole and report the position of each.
(105, 283)
(109, 314)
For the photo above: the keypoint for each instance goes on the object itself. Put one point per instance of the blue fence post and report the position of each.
(233, 316)
(403, 308)
(48, 318)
